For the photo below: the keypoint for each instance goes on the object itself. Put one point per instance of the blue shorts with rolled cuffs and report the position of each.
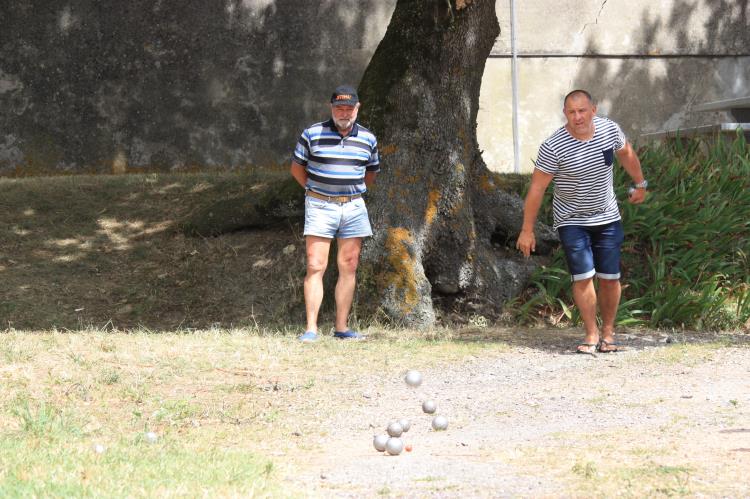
(592, 250)
(340, 220)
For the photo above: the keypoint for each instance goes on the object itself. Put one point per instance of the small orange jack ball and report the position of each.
(408, 448)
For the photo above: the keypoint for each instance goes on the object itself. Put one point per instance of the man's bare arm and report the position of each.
(370, 178)
(299, 173)
(526, 239)
(629, 160)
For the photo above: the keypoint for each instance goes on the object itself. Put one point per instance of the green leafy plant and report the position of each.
(685, 256)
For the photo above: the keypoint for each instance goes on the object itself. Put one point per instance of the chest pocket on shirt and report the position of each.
(609, 156)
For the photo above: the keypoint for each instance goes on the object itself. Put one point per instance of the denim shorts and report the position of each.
(592, 250)
(342, 220)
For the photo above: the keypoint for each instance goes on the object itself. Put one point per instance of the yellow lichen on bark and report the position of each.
(388, 149)
(432, 201)
(401, 273)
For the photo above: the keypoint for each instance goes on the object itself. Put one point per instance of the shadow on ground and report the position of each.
(565, 340)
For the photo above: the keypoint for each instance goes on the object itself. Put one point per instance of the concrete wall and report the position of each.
(648, 63)
(177, 84)
(173, 84)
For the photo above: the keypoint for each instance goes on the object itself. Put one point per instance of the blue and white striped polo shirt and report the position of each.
(583, 174)
(336, 165)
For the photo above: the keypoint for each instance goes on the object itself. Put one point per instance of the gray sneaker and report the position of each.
(348, 335)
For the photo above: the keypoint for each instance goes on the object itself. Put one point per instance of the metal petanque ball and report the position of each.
(413, 378)
(439, 423)
(379, 442)
(429, 406)
(394, 446)
(405, 424)
(395, 429)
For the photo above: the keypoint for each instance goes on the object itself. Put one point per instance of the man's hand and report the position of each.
(526, 242)
(637, 196)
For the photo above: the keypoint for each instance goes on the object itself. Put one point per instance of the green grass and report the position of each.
(128, 467)
(49, 453)
(42, 420)
(685, 257)
(647, 480)
(226, 406)
(223, 404)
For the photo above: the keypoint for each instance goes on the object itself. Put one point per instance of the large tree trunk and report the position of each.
(444, 230)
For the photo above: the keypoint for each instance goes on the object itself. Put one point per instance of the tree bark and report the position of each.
(444, 229)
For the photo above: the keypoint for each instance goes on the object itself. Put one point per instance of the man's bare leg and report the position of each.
(609, 300)
(347, 259)
(584, 295)
(317, 249)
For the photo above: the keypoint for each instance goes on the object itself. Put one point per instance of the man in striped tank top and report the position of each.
(579, 158)
(335, 161)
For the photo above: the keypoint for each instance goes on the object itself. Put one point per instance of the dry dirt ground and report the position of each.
(668, 417)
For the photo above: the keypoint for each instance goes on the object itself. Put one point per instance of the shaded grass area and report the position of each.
(685, 256)
(173, 251)
(111, 250)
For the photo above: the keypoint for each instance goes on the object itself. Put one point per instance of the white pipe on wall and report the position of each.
(514, 83)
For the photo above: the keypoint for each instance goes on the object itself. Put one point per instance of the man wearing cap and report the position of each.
(335, 161)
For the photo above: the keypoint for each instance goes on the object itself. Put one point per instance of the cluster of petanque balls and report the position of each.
(392, 443)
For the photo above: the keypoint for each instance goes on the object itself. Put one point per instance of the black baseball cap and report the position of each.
(344, 95)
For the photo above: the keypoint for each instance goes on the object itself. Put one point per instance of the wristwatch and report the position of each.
(641, 185)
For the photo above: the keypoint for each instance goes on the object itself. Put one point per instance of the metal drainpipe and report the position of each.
(514, 83)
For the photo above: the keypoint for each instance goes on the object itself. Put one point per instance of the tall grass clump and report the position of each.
(685, 256)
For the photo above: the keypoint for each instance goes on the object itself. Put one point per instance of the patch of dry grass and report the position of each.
(236, 411)
(224, 404)
(628, 463)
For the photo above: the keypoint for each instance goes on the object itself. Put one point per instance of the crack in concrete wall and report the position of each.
(596, 20)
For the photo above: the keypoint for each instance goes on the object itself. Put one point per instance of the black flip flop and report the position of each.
(609, 344)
